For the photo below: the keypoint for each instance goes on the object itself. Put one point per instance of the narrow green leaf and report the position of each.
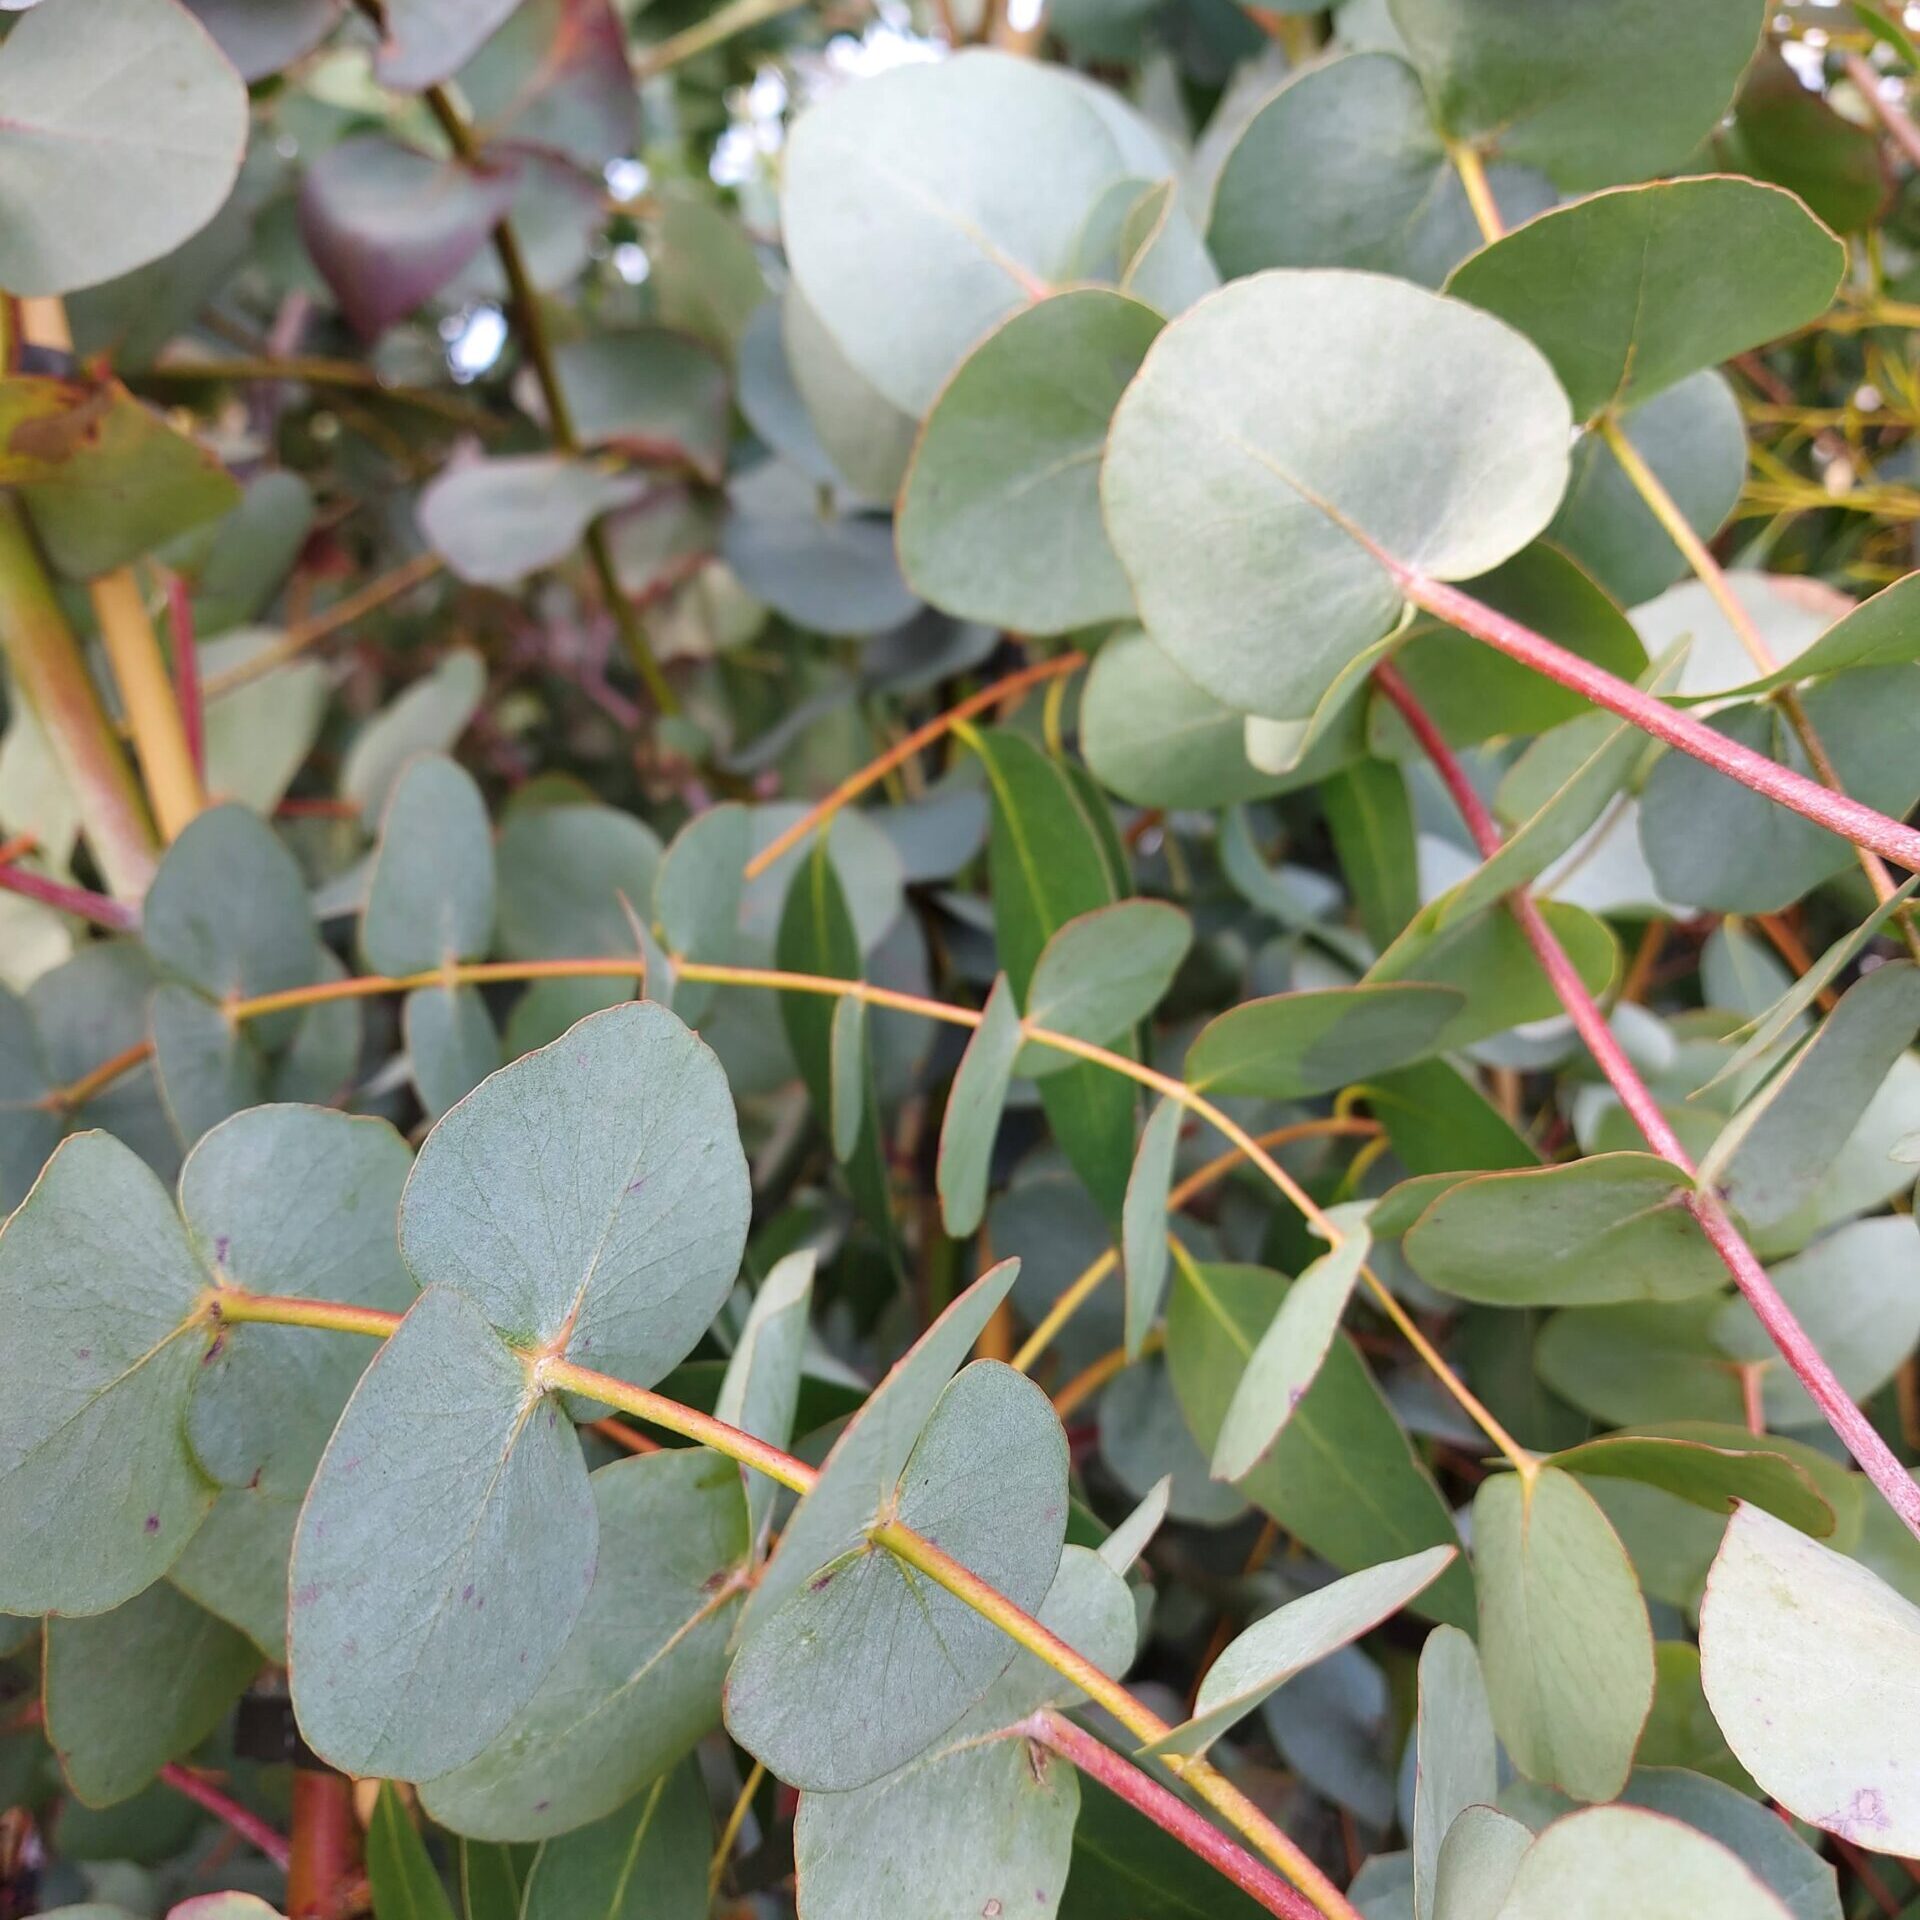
(972, 1118)
(400, 1873)
(1372, 825)
(1705, 1476)
(648, 1861)
(761, 1389)
(1456, 1761)
(1143, 1221)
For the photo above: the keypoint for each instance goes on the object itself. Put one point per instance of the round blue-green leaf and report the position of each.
(591, 1197)
(871, 1661)
(1255, 517)
(30, 1128)
(122, 128)
(924, 205)
(100, 1292)
(445, 1551)
(1000, 516)
(1290, 1045)
(497, 520)
(430, 895)
(1629, 292)
(1343, 167)
(451, 1044)
(1593, 94)
(639, 1679)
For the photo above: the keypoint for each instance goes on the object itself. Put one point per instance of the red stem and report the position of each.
(117, 916)
(1856, 1431)
(1168, 1812)
(249, 1826)
(186, 674)
(1837, 812)
(326, 1845)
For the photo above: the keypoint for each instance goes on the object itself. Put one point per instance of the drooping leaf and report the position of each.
(430, 895)
(444, 1552)
(1342, 1477)
(1612, 1227)
(1274, 1649)
(1371, 820)
(1000, 516)
(638, 1681)
(98, 1491)
(1284, 1366)
(870, 1661)
(591, 1196)
(1704, 1475)
(129, 1690)
(1564, 1639)
(1628, 292)
(1214, 440)
(761, 1390)
(972, 1118)
(1143, 1221)
(120, 137)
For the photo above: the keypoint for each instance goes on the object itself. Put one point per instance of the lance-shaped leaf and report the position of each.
(849, 1076)
(592, 1197)
(923, 206)
(1576, 97)
(1772, 1153)
(1290, 1045)
(401, 1875)
(1269, 1653)
(1000, 516)
(1879, 632)
(982, 1817)
(648, 1861)
(100, 1289)
(1231, 488)
(1143, 1220)
(497, 520)
(1628, 292)
(389, 226)
(129, 1690)
(1564, 1639)
(1102, 973)
(1343, 168)
(1610, 1228)
(1052, 858)
(1292, 1351)
(430, 895)
(1128, 1541)
(871, 1660)
(761, 1389)
(121, 135)
(444, 1552)
(1705, 1475)
(282, 1200)
(972, 1118)
(1456, 1762)
(638, 1682)
(1811, 1664)
(1606, 1861)
(1343, 1476)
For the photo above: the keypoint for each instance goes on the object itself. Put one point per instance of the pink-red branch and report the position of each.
(1837, 812)
(249, 1826)
(186, 673)
(116, 916)
(1856, 1431)
(1167, 1811)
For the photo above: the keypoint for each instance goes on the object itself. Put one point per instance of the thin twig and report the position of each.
(249, 1826)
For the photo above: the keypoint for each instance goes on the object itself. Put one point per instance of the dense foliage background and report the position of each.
(1139, 768)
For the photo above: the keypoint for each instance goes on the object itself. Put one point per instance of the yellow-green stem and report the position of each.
(50, 677)
(1479, 191)
(148, 695)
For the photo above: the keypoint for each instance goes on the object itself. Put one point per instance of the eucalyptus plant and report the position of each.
(957, 961)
